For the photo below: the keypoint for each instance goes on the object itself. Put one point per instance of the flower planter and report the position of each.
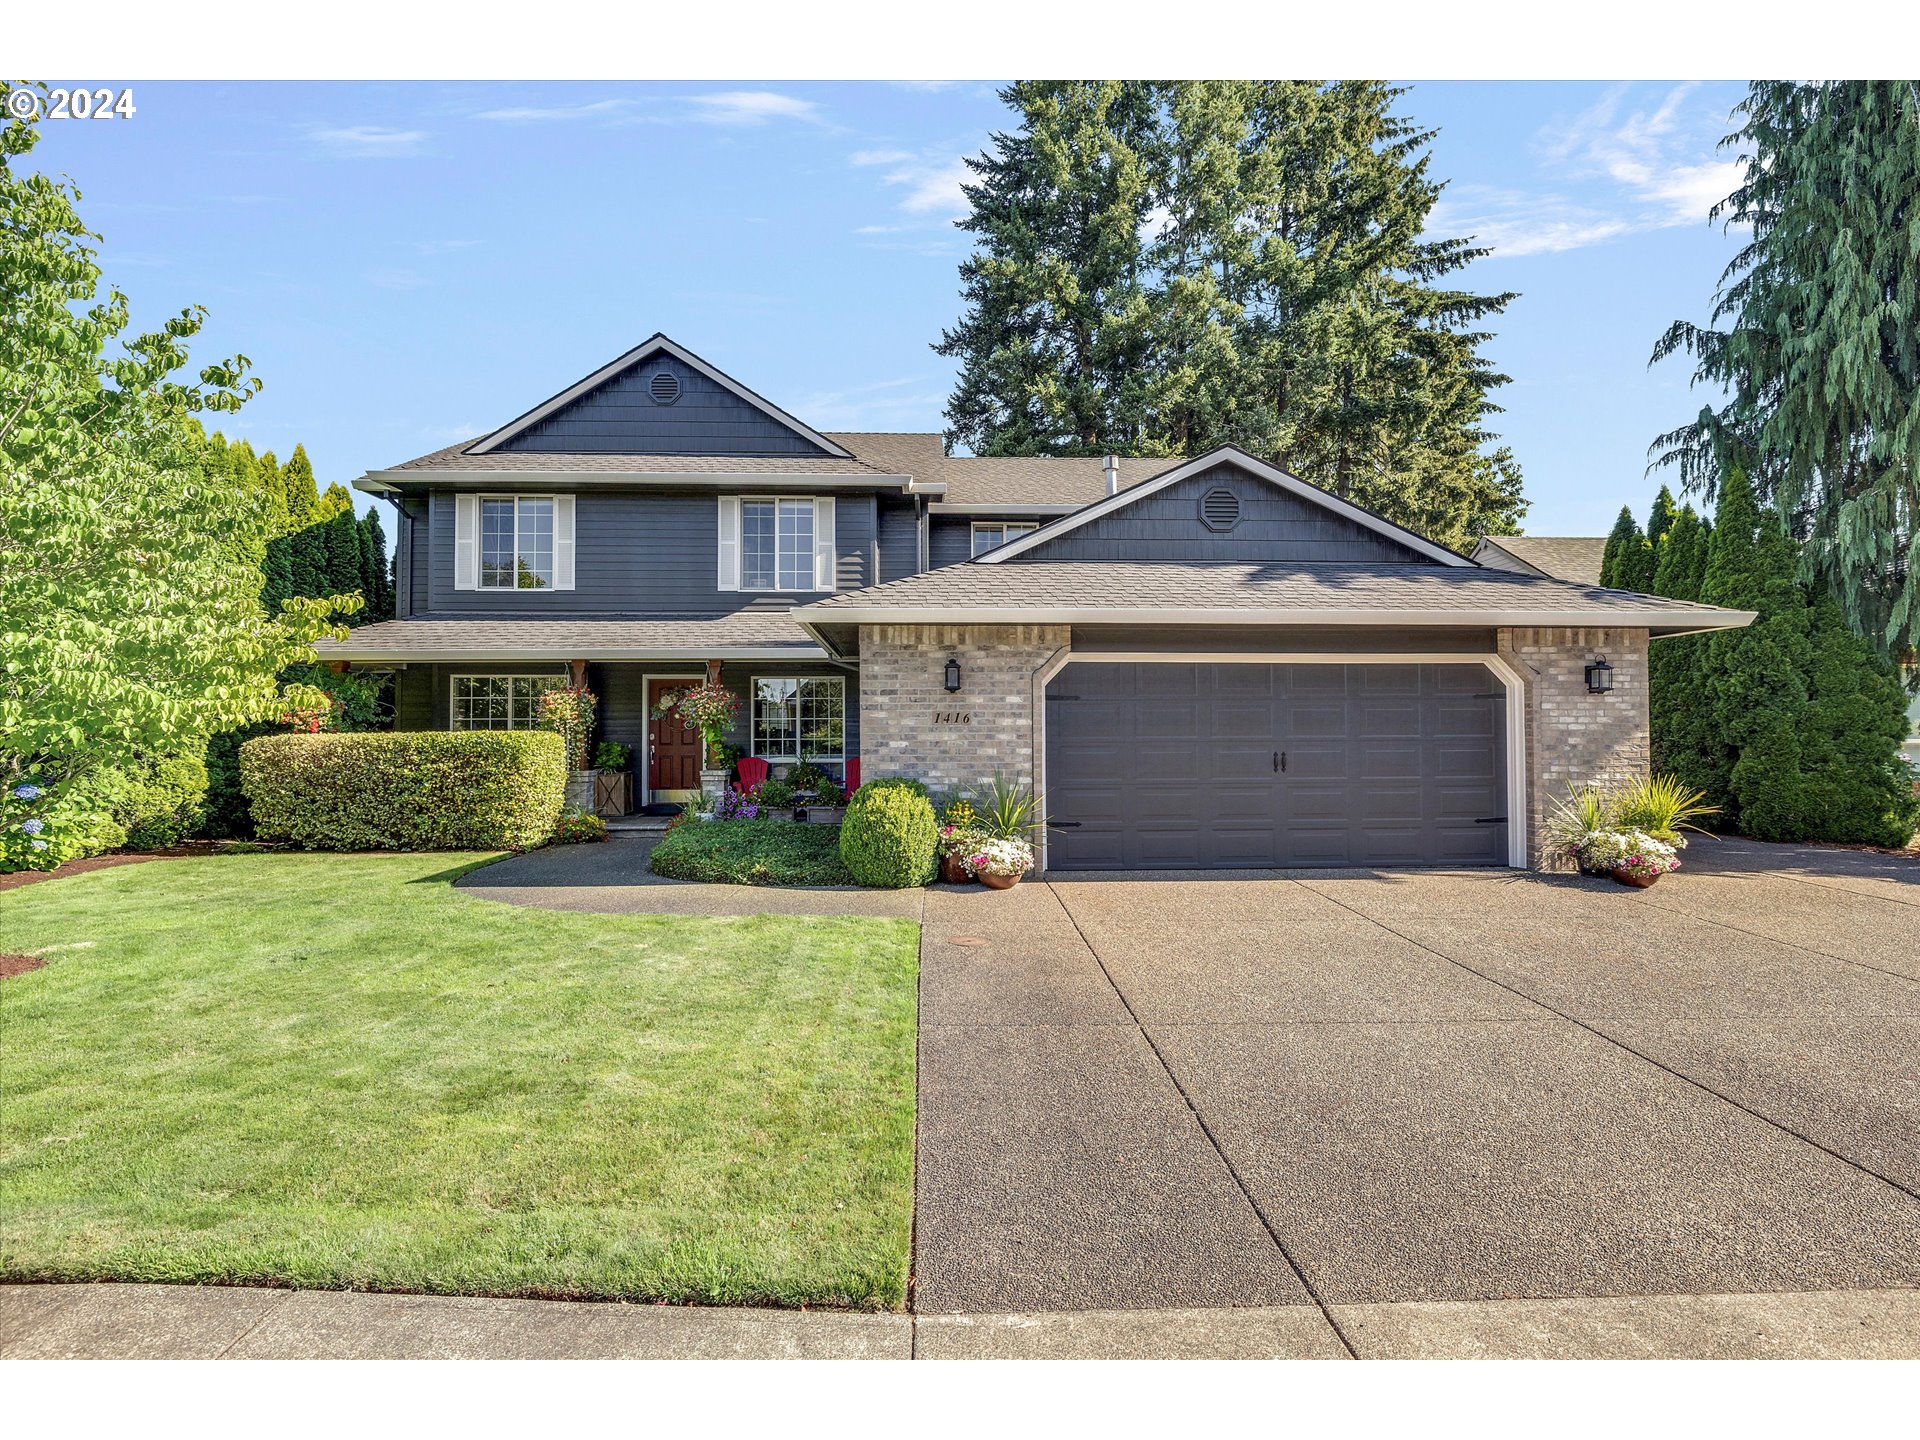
(998, 882)
(580, 788)
(952, 871)
(713, 784)
(1639, 881)
(820, 814)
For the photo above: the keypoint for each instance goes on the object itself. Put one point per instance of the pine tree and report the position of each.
(1678, 713)
(1858, 785)
(1820, 351)
(341, 535)
(1163, 268)
(377, 581)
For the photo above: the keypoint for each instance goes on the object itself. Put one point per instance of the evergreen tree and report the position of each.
(1620, 560)
(1819, 356)
(1857, 782)
(302, 492)
(307, 560)
(1162, 268)
(341, 537)
(1660, 520)
(336, 500)
(1053, 342)
(1677, 709)
(377, 581)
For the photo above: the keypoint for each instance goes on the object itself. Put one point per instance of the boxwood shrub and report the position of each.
(888, 836)
(418, 790)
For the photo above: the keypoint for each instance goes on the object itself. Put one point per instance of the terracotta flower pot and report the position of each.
(999, 882)
(952, 871)
(1637, 881)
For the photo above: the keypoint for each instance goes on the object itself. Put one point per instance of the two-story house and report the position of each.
(1198, 663)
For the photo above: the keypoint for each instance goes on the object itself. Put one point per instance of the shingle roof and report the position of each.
(970, 480)
(455, 457)
(1092, 591)
(633, 637)
(1564, 557)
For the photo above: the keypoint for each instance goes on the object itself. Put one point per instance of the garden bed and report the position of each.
(752, 852)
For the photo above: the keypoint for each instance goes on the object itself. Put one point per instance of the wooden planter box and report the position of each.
(613, 792)
(822, 814)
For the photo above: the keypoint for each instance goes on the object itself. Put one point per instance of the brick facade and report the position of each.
(911, 726)
(1573, 737)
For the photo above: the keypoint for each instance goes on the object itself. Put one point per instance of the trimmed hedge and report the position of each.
(888, 836)
(751, 852)
(162, 802)
(417, 790)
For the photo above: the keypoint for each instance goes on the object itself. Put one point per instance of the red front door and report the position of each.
(673, 747)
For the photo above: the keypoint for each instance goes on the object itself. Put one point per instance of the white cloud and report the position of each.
(751, 107)
(355, 142)
(911, 401)
(929, 182)
(593, 109)
(1612, 171)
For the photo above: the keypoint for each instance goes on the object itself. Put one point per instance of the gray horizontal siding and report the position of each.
(1277, 639)
(898, 539)
(621, 417)
(951, 539)
(1274, 526)
(638, 553)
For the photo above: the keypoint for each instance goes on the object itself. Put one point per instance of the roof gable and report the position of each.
(658, 399)
(1272, 517)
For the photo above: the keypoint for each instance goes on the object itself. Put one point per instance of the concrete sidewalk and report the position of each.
(166, 1322)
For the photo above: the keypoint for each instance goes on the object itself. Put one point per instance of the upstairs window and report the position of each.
(992, 534)
(516, 544)
(777, 544)
(512, 542)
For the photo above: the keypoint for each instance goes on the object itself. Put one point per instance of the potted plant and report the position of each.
(1633, 835)
(817, 796)
(613, 790)
(568, 710)
(711, 708)
(956, 844)
(998, 862)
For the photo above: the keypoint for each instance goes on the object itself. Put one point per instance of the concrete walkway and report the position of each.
(168, 1322)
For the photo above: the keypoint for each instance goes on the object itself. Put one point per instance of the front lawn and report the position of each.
(752, 852)
(338, 1071)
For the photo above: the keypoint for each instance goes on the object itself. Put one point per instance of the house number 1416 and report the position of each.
(953, 717)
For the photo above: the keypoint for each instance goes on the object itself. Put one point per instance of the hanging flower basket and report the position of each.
(709, 708)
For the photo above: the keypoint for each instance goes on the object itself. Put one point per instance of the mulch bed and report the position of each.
(103, 862)
(12, 965)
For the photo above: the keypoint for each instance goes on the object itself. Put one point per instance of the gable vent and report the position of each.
(1220, 509)
(664, 387)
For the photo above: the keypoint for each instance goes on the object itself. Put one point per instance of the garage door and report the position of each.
(1210, 766)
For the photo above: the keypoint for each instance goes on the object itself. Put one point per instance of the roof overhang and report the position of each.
(653, 345)
(1233, 454)
(812, 618)
(391, 482)
(455, 655)
(1011, 512)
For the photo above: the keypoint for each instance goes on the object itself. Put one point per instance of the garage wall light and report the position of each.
(953, 676)
(1599, 677)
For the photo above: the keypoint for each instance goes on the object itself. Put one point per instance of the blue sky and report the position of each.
(411, 264)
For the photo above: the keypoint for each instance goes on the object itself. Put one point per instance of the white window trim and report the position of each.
(453, 690)
(480, 542)
(753, 731)
(733, 545)
(1009, 530)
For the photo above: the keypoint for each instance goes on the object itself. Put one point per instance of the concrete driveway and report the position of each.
(1277, 1089)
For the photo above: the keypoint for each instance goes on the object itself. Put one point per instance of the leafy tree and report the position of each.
(1162, 268)
(127, 629)
(1818, 345)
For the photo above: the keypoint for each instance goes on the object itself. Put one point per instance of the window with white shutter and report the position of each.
(466, 542)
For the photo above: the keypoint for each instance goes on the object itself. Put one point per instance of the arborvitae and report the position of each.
(1620, 559)
(303, 494)
(1660, 520)
(1161, 268)
(1677, 710)
(336, 500)
(342, 537)
(307, 560)
(376, 581)
(1818, 347)
(1857, 784)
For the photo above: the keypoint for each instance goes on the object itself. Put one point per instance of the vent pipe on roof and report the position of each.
(1112, 466)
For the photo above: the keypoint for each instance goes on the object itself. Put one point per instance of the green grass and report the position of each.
(337, 1071)
(752, 852)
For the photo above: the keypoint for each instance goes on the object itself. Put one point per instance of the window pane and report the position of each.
(775, 722)
(822, 705)
(535, 550)
(796, 545)
(496, 543)
(985, 537)
(756, 545)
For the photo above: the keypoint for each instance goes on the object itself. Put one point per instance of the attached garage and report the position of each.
(1157, 765)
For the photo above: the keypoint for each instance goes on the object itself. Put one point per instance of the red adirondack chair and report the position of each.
(752, 771)
(853, 775)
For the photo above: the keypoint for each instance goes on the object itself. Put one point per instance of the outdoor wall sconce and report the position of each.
(953, 676)
(1599, 677)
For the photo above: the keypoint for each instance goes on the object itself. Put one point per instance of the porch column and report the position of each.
(713, 672)
(578, 670)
